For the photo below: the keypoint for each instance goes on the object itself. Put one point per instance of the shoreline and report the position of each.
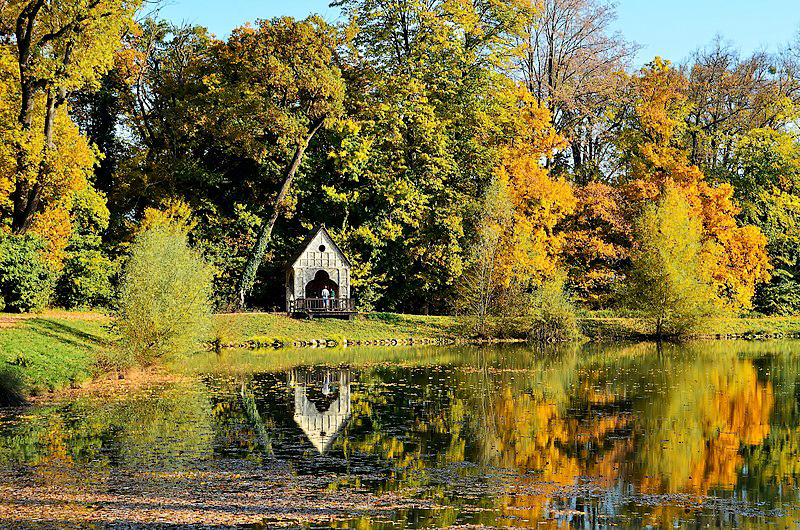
(42, 353)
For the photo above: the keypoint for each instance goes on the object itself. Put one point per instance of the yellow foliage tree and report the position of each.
(530, 246)
(57, 47)
(69, 160)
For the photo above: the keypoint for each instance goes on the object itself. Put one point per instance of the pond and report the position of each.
(589, 436)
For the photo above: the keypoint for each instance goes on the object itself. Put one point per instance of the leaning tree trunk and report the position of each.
(265, 234)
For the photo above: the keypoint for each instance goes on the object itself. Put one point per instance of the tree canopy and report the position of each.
(408, 129)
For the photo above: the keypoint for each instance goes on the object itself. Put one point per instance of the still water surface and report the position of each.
(586, 436)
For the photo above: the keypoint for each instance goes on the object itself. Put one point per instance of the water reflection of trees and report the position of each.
(672, 421)
(567, 423)
(664, 422)
(169, 427)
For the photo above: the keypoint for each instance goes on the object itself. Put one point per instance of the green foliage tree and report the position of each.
(86, 277)
(85, 280)
(667, 283)
(163, 108)
(164, 295)
(766, 177)
(26, 282)
(272, 89)
(479, 288)
(431, 107)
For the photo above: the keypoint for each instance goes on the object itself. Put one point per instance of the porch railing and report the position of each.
(321, 305)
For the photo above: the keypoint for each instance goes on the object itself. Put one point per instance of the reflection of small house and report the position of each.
(320, 268)
(321, 404)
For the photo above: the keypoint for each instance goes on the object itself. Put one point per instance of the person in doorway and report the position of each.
(325, 295)
(333, 298)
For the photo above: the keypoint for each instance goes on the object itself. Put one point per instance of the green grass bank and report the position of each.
(50, 351)
(617, 328)
(241, 328)
(54, 350)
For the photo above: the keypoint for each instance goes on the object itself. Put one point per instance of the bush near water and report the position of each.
(165, 296)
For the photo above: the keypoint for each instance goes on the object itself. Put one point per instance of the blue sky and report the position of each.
(672, 29)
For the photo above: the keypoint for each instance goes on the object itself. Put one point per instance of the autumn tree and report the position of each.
(735, 255)
(478, 292)
(516, 247)
(732, 95)
(273, 87)
(765, 170)
(58, 47)
(433, 107)
(668, 281)
(531, 246)
(597, 243)
(572, 62)
(69, 161)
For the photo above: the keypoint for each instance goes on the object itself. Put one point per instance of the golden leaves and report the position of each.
(530, 247)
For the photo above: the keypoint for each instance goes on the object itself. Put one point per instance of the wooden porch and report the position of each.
(323, 307)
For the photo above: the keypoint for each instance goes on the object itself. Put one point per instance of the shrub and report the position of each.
(26, 282)
(113, 360)
(85, 280)
(554, 315)
(225, 329)
(165, 295)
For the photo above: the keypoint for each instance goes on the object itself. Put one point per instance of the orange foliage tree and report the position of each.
(597, 243)
(735, 256)
(530, 246)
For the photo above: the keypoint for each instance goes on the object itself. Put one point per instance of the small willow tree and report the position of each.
(165, 296)
(667, 282)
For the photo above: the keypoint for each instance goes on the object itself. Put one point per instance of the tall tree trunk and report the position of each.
(265, 234)
(21, 194)
(28, 87)
(27, 197)
(577, 157)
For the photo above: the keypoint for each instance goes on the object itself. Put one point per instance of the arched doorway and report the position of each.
(321, 280)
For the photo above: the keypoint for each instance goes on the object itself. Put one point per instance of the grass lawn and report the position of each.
(242, 327)
(52, 350)
(57, 349)
(611, 328)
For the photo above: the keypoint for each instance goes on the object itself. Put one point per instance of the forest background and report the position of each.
(455, 149)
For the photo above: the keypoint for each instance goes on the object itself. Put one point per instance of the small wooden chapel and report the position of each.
(318, 279)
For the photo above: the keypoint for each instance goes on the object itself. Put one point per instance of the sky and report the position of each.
(669, 28)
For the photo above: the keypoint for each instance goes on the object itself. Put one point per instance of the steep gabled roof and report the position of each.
(307, 241)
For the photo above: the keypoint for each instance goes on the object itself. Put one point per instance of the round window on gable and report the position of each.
(322, 248)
